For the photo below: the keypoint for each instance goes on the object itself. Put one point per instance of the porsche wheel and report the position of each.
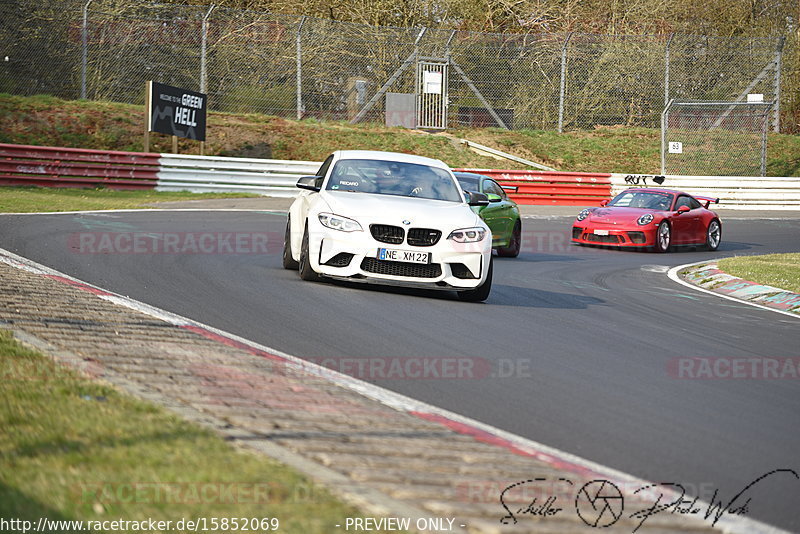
(480, 293)
(514, 244)
(306, 272)
(713, 235)
(663, 237)
(288, 261)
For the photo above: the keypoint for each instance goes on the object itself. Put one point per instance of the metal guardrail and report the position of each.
(205, 174)
(734, 192)
(25, 165)
(551, 188)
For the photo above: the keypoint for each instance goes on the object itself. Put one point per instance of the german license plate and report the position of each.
(601, 232)
(408, 256)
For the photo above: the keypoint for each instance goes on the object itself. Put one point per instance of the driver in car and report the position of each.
(392, 180)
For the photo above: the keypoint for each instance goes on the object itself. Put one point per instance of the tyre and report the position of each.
(480, 293)
(514, 245)
(663, 237)
(713, 235)
(304, 265)
(288, 261)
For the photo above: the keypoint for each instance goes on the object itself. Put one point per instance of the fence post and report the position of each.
(203, 73)
(776, 118)
(299, 59)
(666, 69)
(85, 47)
(664, 115)
(203, 44)
(764, 129)
(563, 86)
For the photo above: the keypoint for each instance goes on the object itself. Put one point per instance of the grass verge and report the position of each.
(777, 270)
(48, 121)
(35, 200)
(74, 449)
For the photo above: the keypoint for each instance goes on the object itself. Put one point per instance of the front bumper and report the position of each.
(587, 234)
(353, 256)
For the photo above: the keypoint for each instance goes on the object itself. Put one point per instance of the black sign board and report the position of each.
(175, 111)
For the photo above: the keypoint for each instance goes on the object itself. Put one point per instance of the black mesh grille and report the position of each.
(423, 237)
(576, 232)
(340, 260)
(594, 238)
(386, 233)
(399, 268)
(636, 237)
(460, 270)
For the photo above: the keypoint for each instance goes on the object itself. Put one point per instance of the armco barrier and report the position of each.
(204, 174)
(734, 192)
(551, 188)
(72, 167)
(24, 165)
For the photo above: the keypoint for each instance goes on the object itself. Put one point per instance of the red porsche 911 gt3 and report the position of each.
(652, 218)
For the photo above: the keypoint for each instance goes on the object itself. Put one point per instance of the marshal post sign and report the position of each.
(175, 111)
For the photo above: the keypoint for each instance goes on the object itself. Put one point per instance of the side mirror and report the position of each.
(494, 197)
(682, 209)
(309, 183)
(477, 199)
(604, 202)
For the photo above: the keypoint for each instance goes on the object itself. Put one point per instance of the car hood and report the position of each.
(387, 209)
(619, 215)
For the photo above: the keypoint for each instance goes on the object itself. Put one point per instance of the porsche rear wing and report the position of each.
(707, 201)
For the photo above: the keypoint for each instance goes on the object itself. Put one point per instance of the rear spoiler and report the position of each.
(707, 200)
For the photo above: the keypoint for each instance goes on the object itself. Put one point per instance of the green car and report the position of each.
(501, 215)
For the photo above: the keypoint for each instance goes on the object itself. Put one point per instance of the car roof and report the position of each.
(656, 190)
(389, 156)
(469, 174)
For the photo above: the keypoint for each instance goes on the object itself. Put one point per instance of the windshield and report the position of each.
(639, 199)
(393, 178)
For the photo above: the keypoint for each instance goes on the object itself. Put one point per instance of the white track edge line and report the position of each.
(673, 275)
(727, 523)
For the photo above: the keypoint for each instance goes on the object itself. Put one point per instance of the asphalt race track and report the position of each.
(577, 348)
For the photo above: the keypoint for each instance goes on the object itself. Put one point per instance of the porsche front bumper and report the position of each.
(589, 234)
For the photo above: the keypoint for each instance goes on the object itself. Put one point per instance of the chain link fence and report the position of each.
(297, 67)
(716, 138)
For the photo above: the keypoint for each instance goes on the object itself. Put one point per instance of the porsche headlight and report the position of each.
(467, 235)
(337, 222)
(583, 214)
(645, 219)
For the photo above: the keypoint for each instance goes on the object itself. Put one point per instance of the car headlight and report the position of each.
(647, 218)
(583, 214)
(468, 235)
(337, 222)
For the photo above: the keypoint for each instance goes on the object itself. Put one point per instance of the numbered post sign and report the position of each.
(675, 147)
(176, 111)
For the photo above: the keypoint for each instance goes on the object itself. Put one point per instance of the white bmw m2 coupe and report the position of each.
(387, 218)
